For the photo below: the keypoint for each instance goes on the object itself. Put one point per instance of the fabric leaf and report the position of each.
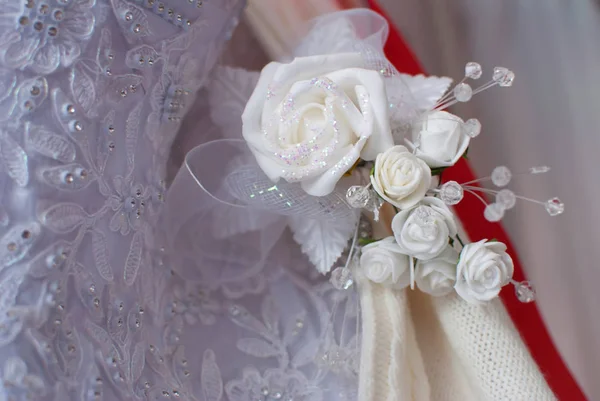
(426, 91)
(64, 217)
(82, 87)
(134, 258)
(257, 347)
(14, 160)
(101, 256)
(323, 241)
(212, 383)
(137, 361)
(131, 132)
(49, 144)
(270, 314)
(229, 91)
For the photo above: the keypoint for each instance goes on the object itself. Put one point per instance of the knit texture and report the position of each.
(421, 348)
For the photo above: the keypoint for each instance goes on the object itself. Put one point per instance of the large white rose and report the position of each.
(442, 139)
(438, 275)
(383, 263)
(311, 120)
(423, 230)
(400, 177)
(483, 269)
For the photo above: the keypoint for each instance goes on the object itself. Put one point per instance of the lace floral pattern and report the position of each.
(43, 35)
(92, 93)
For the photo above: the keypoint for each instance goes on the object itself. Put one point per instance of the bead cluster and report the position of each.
(168, 13)
(176, 103)
(39, 17)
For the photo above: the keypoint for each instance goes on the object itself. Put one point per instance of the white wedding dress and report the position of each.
(117, 281)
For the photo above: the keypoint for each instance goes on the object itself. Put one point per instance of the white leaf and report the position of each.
(212, 383)
(63, 217)
(50, 144)
(55, 176)
(257, 347)
(229, 91)
(131, 132)
(270, 314)
(306, 354)
(122, 82)
(49, 260)
(121, 7)
(143, 52)
(98, 334)
(104, 48)
(137, 361)
(323, 241)
(101, 256)
(426, 90)
(82, 87)
(134, 258)
(14, 370)
(14, 246)
(14, 159)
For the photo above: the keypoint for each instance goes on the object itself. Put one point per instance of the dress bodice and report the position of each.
(93, 94)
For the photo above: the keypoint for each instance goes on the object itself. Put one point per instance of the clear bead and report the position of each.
(539, 169)
(493, 212)
(358, 197)
(451, 193)
(501, 176)
(472, 127)
(503, 76)
(473, 70)
(554, 207)
(506, 198)
(341, 278)
(525, 292)
(463, 92)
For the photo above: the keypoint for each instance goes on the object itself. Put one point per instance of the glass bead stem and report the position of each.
(451, 101)
(532, 171)
(476, 195)
(353, 245)
(448, 93)
(485, 86)
(494, 192)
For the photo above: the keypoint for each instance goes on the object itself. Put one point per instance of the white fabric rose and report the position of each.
(442, 139)
(400, 177)
(383, 263)
(438, 275)
(483, 269)
(309, 121)
(423, 230)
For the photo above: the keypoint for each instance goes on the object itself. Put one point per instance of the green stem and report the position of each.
(460, 240)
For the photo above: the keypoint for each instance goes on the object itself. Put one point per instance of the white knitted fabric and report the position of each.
(422, 348)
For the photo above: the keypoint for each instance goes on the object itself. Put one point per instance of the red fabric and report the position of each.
(470, 211)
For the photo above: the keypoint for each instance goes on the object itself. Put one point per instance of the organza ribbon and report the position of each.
(223, 215)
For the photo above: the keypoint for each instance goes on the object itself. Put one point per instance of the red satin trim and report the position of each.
(526, 317)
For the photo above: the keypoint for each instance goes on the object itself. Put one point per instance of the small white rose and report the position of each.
(423, 230)
(442, 139)
(400, 177)
(309, 121)
(438, 275)
(383, 263)
(483, 269)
